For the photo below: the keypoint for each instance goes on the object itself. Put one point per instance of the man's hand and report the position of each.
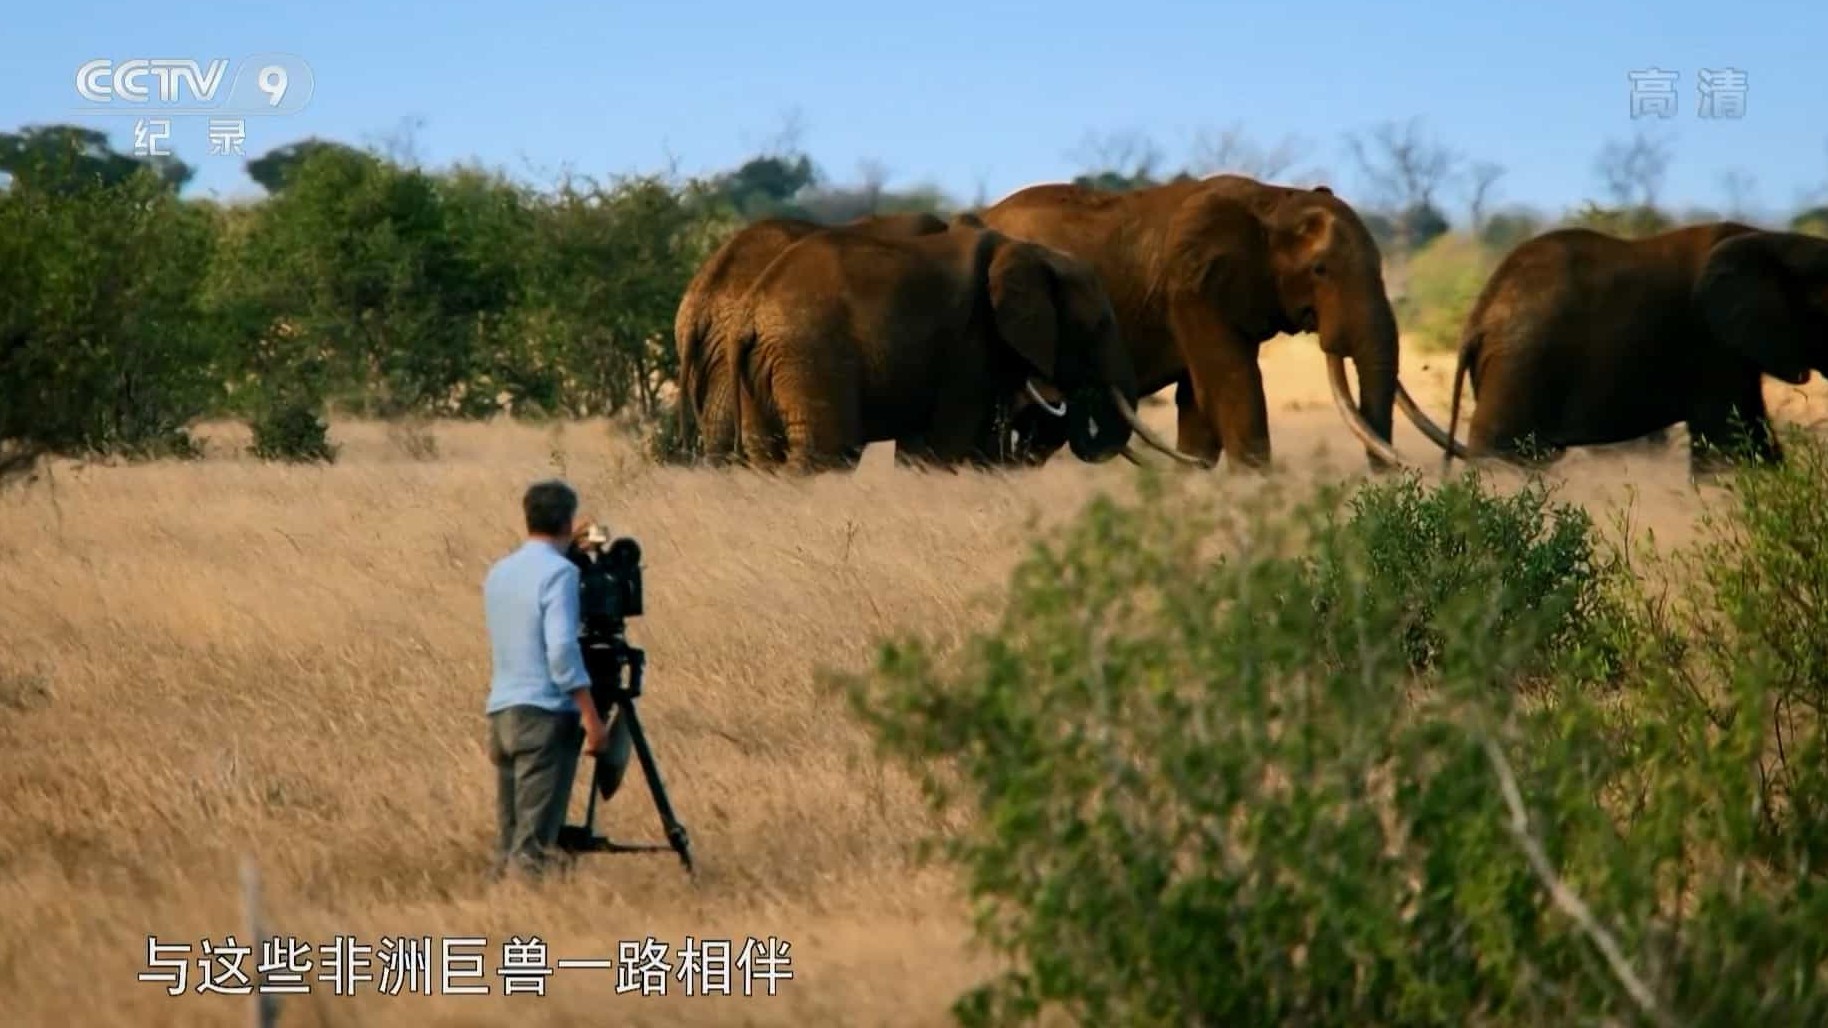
(596, 733)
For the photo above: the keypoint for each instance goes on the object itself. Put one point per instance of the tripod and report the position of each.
(605, 657)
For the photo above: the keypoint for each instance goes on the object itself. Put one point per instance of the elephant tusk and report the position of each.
(1342, 398)
(1057, 410)
(1426, 424)
(1148, 434)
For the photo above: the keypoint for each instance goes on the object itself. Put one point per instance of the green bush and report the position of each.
(1628, 222)
(292, 432)
(1208, 784)
(104, 346)
(1444, 280)
(1763, 632)
(1524, 555)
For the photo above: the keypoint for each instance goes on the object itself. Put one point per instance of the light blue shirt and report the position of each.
(530, 599)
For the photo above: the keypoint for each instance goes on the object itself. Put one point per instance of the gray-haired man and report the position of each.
(539, 705)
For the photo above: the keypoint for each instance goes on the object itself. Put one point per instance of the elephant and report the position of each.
(851, 338)
(706, 410)
(1202, 272)
(1581, 338)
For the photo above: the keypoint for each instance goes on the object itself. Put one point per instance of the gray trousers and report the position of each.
(535, 753)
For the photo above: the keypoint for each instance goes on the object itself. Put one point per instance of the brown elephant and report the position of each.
(1582, 338)
(1202, 272)
(701, 326)
(851, 338)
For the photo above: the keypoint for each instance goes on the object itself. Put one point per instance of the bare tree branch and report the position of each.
(1564, 897)
(1632, 172)
(790, 137)
(401, 143)
(1403, 166)
(1128, 153)
(872, 175)
(1230, 150)
(1481, 178)
(1738, 185)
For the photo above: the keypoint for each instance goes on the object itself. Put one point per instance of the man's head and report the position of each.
(551, 507)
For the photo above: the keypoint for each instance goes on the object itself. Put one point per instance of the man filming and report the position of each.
(539, 706)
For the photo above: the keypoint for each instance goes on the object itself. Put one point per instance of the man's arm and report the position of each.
(564, 660)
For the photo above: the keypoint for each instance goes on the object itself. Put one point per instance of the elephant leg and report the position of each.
(1227, 383)
(718, 430)
(1732, 424)
(1194, 432)
(764, 441)
(824, 426)
(956, 436)
(1505, 421)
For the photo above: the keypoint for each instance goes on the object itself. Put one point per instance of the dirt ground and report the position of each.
(222, 659)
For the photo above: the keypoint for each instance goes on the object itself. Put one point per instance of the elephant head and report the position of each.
(1052, 314)
(1327, 278)
(1765, 295)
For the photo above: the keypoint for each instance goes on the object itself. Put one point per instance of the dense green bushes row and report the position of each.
(1412, 756)
(125, 312)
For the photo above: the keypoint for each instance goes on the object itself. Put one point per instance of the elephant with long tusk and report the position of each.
(1203, 272)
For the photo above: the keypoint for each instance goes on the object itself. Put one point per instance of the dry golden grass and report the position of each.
(200, 661)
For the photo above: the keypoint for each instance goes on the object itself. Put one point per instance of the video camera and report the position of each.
(609, 593)
(609, 582)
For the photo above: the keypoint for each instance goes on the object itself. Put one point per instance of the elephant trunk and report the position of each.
(1360, 324)
(1377, 386)
(1376, 444)
(1380, 387)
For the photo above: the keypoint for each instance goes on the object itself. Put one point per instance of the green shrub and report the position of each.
(1626, 222)
(292, 432)
(104, 345)
(1763, 632)
(1444, 280)
(1525, 555)
(1207, 784)
(665, 440)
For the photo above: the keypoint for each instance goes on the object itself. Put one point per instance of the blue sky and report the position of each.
(978, 95)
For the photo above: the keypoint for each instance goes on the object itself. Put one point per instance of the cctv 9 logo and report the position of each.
(263, 84)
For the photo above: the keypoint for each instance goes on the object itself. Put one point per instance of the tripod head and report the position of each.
(606, 657)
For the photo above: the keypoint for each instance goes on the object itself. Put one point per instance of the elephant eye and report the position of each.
(1320, 269)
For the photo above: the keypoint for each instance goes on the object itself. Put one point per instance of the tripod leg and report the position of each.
(590, 809)
(675, 832)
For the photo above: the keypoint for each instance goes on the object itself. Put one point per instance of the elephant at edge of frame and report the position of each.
(709, 308)
(1202, 272)
(1581, 338)
(854, 338)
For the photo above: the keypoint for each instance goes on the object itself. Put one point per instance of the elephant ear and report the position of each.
(1218, 246)
(1022, 285)
(1756, 292)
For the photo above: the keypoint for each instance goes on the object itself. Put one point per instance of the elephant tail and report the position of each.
(1469, 353)
(684, 422)
(741, 346)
